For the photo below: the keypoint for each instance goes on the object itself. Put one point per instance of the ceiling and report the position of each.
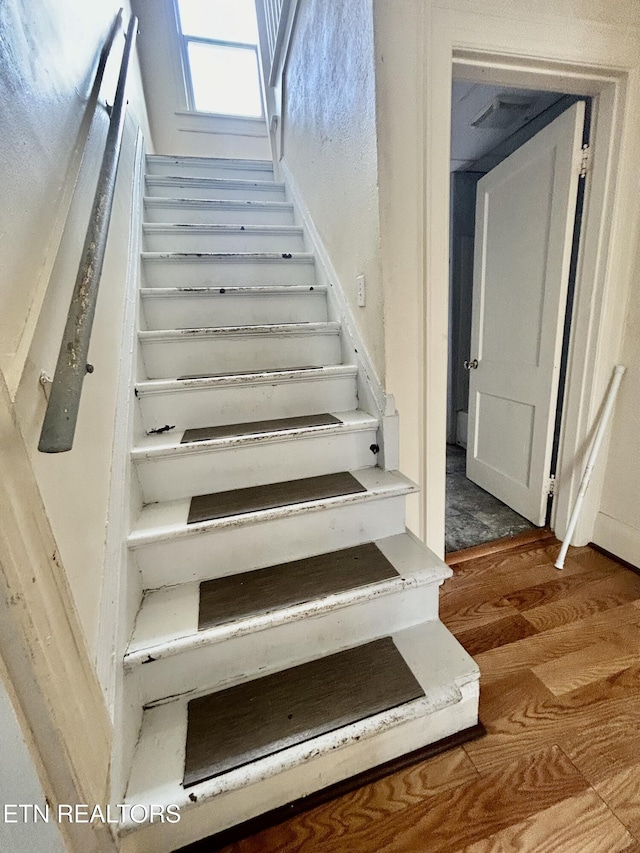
(470, 101)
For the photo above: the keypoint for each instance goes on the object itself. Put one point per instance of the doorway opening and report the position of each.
(515, 215)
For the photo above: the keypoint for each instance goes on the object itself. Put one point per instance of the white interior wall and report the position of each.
(329, 146)
(24, 832)
(618, 522)
(176, 130)
(52, 142)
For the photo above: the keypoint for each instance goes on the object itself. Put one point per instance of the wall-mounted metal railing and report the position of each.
(61, 416)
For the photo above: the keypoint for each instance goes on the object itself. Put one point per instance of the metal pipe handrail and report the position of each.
(61, 416)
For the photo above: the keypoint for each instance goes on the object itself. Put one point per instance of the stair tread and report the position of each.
(232, 290)
(168, 620)
(159, 761)
(261, 165)
(222, 203)
(207, 438)
(327, 328)
(272, 496)
(155, 386)
(220, 228)
(233, 727)
(168, 520)
(231, 257)
(232, 183)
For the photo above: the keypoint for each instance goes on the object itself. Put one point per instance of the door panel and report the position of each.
(525, 213)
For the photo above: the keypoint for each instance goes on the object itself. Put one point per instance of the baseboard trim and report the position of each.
(269, 819)
(508, 543)
(618, 539)
(615, 558)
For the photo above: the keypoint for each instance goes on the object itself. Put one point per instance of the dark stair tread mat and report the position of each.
(274, 425)
(250, 372)
(253, 593)
(271, 496)
(234, 727)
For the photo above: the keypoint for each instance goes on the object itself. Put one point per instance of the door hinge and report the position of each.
(585, 161)
(551, 485)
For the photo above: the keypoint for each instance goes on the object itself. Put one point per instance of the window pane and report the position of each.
(225, 79)
(223, 20)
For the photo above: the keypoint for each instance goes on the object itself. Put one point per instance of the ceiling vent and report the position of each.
(503, 112)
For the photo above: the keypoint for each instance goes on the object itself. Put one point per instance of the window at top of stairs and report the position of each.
(220, 56)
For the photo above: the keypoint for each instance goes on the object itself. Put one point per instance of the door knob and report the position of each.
(471, 365)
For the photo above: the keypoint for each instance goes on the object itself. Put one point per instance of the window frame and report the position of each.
(186, 67)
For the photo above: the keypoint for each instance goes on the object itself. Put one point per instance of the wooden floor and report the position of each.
(559, 769)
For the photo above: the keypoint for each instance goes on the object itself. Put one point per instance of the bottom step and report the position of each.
(445, 702)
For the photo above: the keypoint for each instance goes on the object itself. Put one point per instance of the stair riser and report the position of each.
(230, 550)
(233, 807)
(218, 215)
(254, 464)
(227, 354)
(226, 309)
(251, 655)
(188, 238)
(214, 191)
(202, 169)
(231, 404)
(202, 273)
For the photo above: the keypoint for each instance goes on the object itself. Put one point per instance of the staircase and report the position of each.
(288, 635)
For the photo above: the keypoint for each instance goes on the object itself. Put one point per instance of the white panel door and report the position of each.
(525, 213)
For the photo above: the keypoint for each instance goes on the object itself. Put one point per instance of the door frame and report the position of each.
(484, 44)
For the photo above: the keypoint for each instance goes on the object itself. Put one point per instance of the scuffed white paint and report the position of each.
(329, 146)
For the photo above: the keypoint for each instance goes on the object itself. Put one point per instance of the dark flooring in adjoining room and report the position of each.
(473, 516)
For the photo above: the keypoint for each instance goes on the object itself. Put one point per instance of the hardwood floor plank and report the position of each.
(237, 596)
(356, 811)
(594, 597)
(445, 822)
(275, 425)
(578, 669)
(535, 650)
(555, 590)
(621, 792)
(232, 727)
(467, 609)
(579, 824)
(500, 633)
(271, 496)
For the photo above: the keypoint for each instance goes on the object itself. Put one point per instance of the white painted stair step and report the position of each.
(447, 674)
(215, 211)
(190, 237)
(174, 186)
(195, 403)
(223, 269)
(170, 551)
(189, 352)
(168, 469)
(191, 308)
(169, 655)
(211, 167)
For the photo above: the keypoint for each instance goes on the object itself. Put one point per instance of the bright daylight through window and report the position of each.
(221, 56)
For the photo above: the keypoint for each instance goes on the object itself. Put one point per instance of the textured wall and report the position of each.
(330, 146)
(49, 53)
(48, 61)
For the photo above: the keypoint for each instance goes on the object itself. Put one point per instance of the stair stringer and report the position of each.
(372, 396)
